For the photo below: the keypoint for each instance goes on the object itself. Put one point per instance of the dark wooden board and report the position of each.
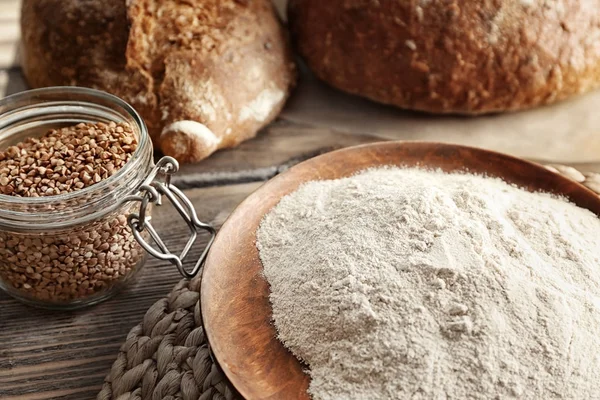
(66, 355)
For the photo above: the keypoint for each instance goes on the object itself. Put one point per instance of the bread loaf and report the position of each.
(204, 74)
(457, 56)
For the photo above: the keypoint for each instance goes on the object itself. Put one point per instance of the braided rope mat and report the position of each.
(167, 356)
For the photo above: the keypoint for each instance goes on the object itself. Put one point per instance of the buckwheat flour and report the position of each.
(412, 284)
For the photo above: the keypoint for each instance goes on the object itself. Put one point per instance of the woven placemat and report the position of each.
(167, 357)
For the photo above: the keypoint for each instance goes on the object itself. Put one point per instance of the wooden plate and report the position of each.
(235, 296)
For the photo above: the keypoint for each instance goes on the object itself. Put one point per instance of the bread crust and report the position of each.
(191, 68)
(458, 56)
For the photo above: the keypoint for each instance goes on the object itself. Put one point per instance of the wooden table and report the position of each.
(59, 355)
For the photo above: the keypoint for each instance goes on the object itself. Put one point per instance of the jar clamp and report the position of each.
(152, 192)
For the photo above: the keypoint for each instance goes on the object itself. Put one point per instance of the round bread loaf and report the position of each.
(204, 74)
(457, 56)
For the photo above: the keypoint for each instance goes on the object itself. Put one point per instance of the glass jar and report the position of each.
(79, 248)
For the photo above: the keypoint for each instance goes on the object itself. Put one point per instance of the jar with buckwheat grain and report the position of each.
(74, 163)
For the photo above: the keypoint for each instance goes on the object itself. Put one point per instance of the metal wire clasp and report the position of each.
(152, 192)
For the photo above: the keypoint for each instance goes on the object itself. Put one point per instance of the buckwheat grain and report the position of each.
(73, 263)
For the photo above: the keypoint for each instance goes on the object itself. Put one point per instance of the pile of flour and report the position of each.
(413, 284)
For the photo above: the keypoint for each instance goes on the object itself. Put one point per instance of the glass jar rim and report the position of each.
(92, 93)
(27, 98)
